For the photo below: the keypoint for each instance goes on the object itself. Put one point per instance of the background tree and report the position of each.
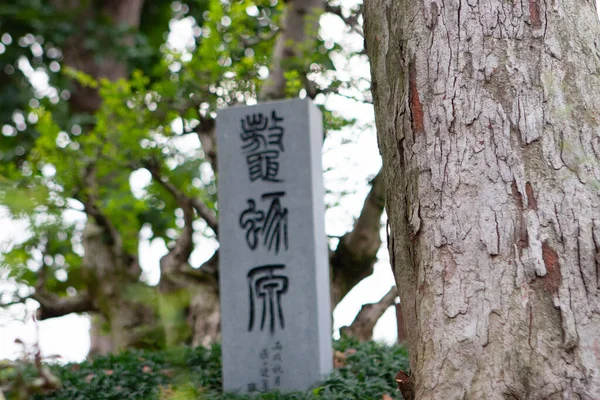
(119, 100)
(487, 116)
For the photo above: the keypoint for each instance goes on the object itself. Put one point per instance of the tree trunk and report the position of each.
(110, 273)
(111, 279)
(487, 116)
(295, 41)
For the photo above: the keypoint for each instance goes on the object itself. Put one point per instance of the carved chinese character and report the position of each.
(270, 226)
(262, 141)
(264, 354)
(266, 285)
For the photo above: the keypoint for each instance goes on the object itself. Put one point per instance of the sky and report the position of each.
(350, 164)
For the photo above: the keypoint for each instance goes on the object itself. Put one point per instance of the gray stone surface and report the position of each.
(274, 274)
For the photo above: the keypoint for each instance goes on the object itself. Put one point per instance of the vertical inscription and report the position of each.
(274, 272)
(262, 143)
(271, 369)
(265, 225)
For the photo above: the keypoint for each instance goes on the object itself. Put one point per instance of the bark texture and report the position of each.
(487, 117)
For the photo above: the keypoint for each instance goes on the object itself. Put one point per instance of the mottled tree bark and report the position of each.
(487, 116)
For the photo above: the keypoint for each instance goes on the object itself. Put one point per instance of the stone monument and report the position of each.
(274, 270)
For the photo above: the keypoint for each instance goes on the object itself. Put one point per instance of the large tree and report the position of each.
(487, 119)
(118, 101)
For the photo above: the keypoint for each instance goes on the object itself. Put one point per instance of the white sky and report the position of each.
(358, 161)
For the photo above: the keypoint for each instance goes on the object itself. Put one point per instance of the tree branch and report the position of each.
(184, 245)
(209, 270)
(207, 214)
(337, 92)
(356, 253)
(206, 134)
(16, 300)
(351, 21)
(52, 305)
(90, 204)
(211, 266)
(366, 319)
(183, 200)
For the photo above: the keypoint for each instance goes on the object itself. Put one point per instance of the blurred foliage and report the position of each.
(46, 145)
(51, 144)
(363, 371)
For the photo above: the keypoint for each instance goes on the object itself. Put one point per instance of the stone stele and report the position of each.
(274, 273)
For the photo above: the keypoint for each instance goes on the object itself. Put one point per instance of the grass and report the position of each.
(364, 371)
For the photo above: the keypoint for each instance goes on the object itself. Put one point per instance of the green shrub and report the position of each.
(367, 371)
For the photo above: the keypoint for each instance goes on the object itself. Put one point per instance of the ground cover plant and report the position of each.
(364, 370)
